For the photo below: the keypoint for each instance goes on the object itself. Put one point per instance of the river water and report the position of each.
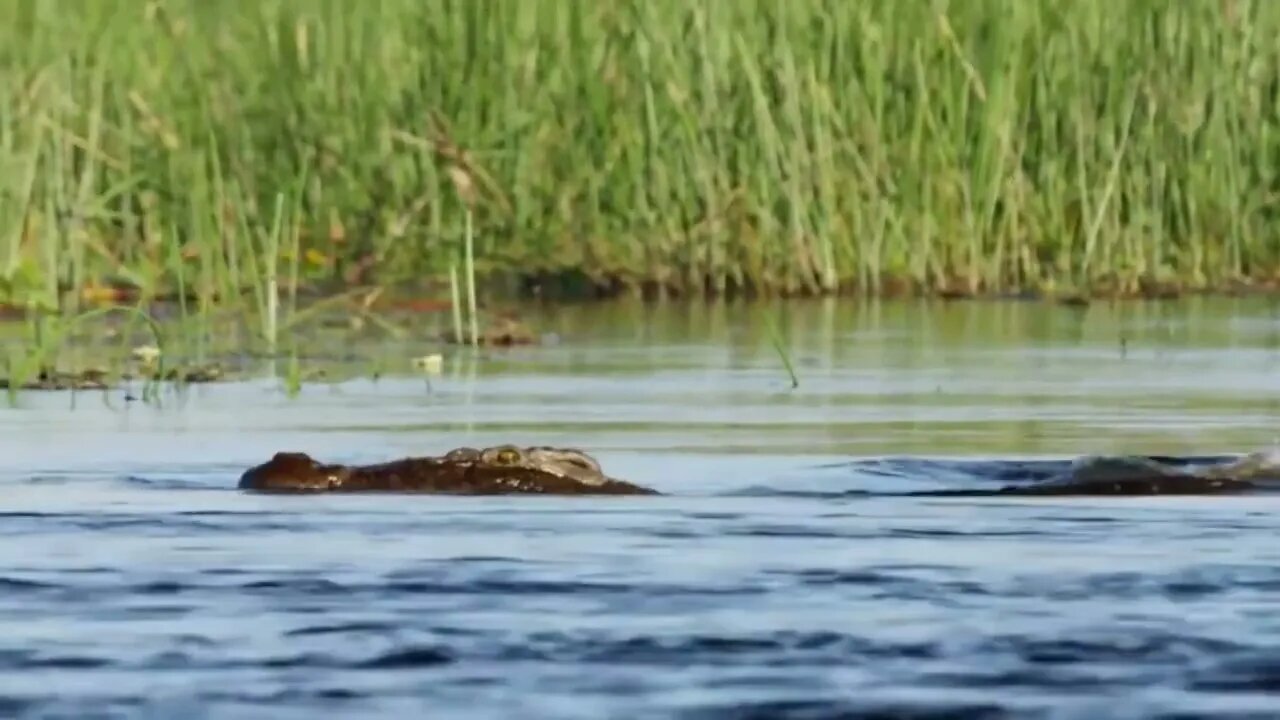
(771, 581)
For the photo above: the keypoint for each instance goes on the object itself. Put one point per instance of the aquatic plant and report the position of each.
(49, 334)
(780, 347)
(187, 147)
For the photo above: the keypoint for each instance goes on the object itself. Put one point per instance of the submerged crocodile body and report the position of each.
(501, 470)
(1149, 475)
(512, 470)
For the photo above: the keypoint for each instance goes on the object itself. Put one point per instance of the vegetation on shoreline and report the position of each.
(233, 152)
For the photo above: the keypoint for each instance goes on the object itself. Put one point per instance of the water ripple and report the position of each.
(812, 597)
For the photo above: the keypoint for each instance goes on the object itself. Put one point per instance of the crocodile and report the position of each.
(1148, 475)
(500, 470)
(513, 470)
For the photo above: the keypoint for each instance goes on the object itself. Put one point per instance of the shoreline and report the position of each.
(434, 296)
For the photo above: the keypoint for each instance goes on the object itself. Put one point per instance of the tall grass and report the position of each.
(785, 147)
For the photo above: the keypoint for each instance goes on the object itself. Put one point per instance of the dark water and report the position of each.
(772, 582)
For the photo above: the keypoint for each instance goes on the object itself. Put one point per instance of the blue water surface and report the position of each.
(136, 582)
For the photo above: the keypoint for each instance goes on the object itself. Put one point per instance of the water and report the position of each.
(136, 583)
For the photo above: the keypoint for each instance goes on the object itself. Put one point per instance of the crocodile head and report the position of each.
(459, 468)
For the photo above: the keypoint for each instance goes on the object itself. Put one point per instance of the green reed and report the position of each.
(796, 147)
(47, 335)
(780, 347)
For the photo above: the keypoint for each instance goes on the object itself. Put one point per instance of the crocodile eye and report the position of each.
(462, 455)
(507, 456)
(583, 462)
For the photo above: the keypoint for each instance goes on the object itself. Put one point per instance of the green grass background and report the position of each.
(803, 146)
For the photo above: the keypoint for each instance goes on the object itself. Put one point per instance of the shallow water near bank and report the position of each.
(136, 582)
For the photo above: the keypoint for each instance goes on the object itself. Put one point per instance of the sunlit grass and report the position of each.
(230, 151)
